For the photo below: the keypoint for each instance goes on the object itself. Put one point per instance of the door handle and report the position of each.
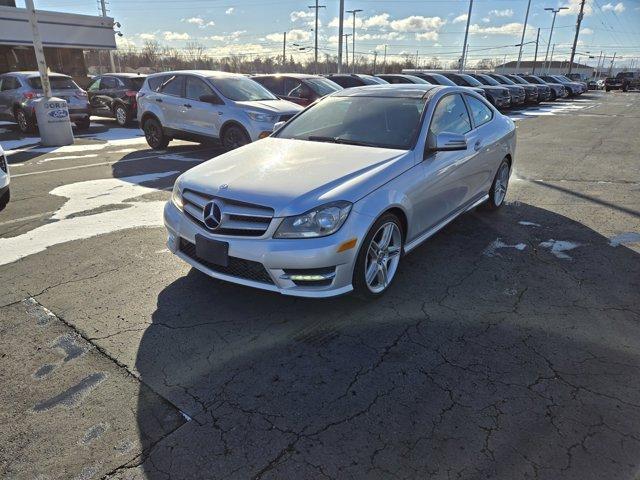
(188, 105)
(477, 145)
(159, 100)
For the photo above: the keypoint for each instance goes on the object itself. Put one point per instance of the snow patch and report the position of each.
(558, 247)
(624, 239)
(490, 251)
(528, 224)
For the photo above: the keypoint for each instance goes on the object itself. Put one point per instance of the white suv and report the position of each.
(202, 105)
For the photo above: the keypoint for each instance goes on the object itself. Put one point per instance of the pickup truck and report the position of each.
(623, 81)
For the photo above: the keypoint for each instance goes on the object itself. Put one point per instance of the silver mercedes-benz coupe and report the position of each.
(333, 200)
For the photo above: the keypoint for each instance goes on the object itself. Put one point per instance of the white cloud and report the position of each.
(301, 15)
(460, 18)
(124, 42)
(507, 12)
(617, 8)
(295, 35)
(586, 31)
(486, 19)
(432, 36)
(169, 36)
(200, 22)
(377, 21)
(147, 36)
(229, 11)
(417, 23)
(573, 7)
(506, 29)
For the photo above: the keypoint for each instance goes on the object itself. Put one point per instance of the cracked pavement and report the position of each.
(518, 364)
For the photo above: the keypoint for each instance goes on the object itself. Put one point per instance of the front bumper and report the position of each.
(502, 102)
(275, 255)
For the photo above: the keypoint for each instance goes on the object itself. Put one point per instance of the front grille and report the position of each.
(238, 218)
(237, 267)
(286, 118)
(3, 163)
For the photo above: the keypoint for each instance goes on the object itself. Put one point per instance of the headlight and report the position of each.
(319, 222)
(176, 194)
(262, 117)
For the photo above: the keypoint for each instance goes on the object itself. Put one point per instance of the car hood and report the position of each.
(272, 106)
(294, 176)
(494, 89)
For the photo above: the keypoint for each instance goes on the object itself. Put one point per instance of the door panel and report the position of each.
(200, 117)
(171, 102)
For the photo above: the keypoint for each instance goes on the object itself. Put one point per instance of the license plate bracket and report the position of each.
(213, 251)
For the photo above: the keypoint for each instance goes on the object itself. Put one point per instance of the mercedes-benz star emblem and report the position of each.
(212, 215)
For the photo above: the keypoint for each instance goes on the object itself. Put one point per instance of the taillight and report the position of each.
(81, 93)
(130, 93)
(30, 95)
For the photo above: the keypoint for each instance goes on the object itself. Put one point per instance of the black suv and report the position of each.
(114, 95)
(348, 80)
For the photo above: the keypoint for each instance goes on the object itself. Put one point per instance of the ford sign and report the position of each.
(59, 113)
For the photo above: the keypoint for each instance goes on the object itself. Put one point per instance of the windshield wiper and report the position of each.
(344, 141)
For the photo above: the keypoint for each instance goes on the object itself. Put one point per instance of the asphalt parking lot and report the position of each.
(507, 348)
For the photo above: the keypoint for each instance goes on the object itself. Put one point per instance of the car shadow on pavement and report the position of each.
(503, 350)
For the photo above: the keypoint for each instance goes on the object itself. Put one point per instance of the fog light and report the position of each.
(307, 278)
(172, 243)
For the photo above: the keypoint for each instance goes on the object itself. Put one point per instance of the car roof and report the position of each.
(123, 75)
(292, 75)
(416, 90)
(200, 73)
(35, 73)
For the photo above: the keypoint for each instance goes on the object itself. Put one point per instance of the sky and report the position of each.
(428, 28)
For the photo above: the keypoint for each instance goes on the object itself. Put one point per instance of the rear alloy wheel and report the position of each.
(379, 257)
(25, 123)
(234, 137)
(122, 116)
(154, 134)
(498, 191)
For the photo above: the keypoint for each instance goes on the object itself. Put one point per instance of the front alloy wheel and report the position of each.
(499, 187)
(122, 116)
(379, 257)
(234, 137)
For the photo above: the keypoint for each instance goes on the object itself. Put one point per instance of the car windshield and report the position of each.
(57, 83)
(517, 79)
(469, 79)
(504, 80)
(135, 83)
(383, 122)
(322, 86)
(241, 89)
(536, 79)
(487, 80)
(440, 79)
(371, 80)
(561, 79)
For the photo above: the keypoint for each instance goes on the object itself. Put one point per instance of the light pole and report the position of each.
(353, 39)
(315, 31)
(524, 29)
(555, 12)
(466, 35)
(346, 46)
(340, 35)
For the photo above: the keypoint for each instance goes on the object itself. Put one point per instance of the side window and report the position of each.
(173, 86)
(94, 86)
(9, 83)
(275, 85)
(195, 88)
(155, 82)
(108, 83)
(292, 87)
(479, 111)
(451, 116)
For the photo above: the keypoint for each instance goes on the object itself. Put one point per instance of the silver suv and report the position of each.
(18, 90)
(202, 105)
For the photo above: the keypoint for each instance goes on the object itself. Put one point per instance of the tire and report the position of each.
(4, 199)
(554, 97)
(83, 124)
(154, 133)
(367, 259)
(498, 191)
(26, 124)
(122, 115)
(607, 89)
(234, 137)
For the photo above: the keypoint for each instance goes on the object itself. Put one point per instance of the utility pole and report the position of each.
(340, 35)
(417, 62)
(375, 59)
(611, 67)
(524, 29)
(551, 59)
(598, 66)
(317, 8)
(284, 50)
(39, 50)
(346, 46)
(575, 39)
(555, 12)
(535, 55)
(384, 60)
(353, 39)
(466, 35)
(103, 7)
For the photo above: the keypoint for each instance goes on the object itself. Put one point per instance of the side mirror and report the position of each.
(446, 142)
(212, 99)
(278, 125)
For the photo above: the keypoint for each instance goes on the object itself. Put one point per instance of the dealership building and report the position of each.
(65, 36)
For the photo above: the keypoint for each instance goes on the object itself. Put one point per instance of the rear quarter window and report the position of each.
(155, 82)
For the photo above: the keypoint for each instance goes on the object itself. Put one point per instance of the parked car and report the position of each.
(18, 90)
(203, 105)
(582, 84)
(573, 88)
(498, 96)
(297, 88)
(623, 81)
(348, 80)
(332, 201)
(517, 93)
(396, 78)
(558, 90)
(438, 79)
(114, 95)
(595, 84)
(544, 90)
(5, 193)
(530, 91)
